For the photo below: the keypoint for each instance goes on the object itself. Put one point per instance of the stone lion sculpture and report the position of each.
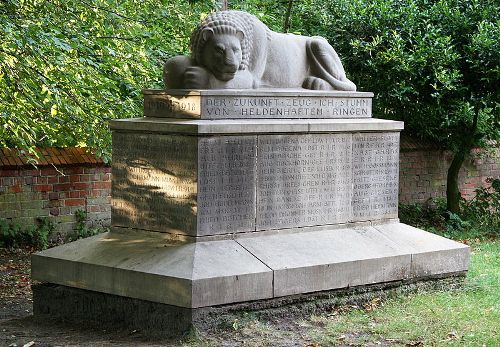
(233, 49)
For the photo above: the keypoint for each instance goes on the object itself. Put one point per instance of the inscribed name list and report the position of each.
(154, 182)
(226, 184)
(375, 175)
(303, 180)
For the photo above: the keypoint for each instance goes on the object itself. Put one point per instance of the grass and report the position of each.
(469, 316)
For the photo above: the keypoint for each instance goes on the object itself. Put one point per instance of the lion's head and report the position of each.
(222, 43)
(221, 54)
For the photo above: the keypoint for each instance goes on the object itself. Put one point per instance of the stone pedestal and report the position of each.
(215, 210)
(206, 178)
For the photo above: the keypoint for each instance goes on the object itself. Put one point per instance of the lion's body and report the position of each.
(286, 61)
(233, 49)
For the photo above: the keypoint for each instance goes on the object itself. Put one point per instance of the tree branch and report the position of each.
(121, 38)
(286, 25)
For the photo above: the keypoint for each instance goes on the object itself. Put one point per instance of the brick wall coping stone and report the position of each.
(411, 143)
(14, 158)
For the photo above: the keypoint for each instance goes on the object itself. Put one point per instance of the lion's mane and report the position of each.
(226, 22)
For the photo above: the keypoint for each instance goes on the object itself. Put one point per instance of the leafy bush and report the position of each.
(430, 215)
(428, 62)
(484, 209)
(15, 236)
(41, 235)
(81, 230)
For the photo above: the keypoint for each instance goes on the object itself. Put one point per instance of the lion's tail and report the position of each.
(325, 64)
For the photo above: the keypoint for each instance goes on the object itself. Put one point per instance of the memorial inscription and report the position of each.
(375, 175)
(226, 184)
(303, 180)
(246, 105)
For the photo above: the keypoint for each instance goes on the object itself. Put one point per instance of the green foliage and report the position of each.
(15, 236)
(425, 216)
(272, 13)
(433, 64)
(67, 67)
(81, 230)
(7, 234)
(484, 209)
(479, 217)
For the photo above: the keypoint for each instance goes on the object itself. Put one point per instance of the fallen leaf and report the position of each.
(415, 344)
(372, 304)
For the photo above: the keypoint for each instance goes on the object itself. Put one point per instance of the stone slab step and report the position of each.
(150, 266)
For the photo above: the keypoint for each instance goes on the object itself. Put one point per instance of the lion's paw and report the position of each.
(196, 77)
(316, 83)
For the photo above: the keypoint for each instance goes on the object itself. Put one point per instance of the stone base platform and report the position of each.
(246, 267)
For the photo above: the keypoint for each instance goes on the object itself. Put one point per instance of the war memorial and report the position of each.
(258, 174)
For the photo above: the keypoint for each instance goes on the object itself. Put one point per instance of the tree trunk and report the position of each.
(452, 191)
(286, 24)
(223, 5)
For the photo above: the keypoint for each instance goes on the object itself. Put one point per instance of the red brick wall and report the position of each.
(58, 191)
(423, 172)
